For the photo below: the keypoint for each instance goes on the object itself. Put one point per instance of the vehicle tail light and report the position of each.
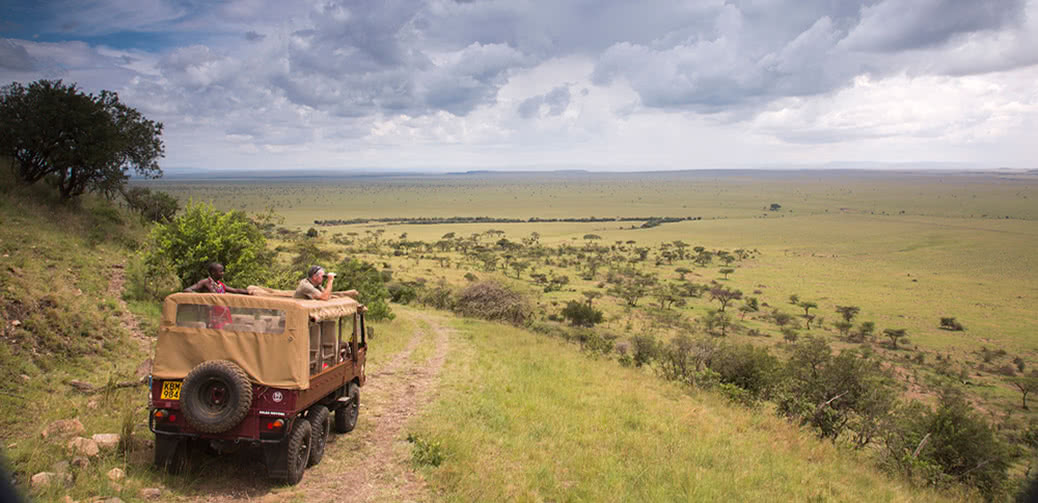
(275, 425)
(161, 414)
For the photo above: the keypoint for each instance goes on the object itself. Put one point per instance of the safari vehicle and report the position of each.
(263, 370)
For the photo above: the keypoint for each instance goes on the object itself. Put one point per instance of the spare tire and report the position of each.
(216, 396)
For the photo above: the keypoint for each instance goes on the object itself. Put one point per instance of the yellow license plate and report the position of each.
(170, 390)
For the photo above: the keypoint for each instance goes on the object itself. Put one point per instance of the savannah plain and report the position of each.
(459, 409)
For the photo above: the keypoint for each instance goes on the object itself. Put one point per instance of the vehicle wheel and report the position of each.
(321, 426)
(216, 396)
(346, 416)
(298, 450)
(170, 453)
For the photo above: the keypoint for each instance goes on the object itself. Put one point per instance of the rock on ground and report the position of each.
(106, 441)
(116, 474)
(84, 447)
(151, 493)
(63, 427)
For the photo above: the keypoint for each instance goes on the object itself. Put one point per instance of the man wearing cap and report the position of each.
(310, 287)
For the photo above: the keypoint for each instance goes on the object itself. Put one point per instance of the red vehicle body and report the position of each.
(233, 399)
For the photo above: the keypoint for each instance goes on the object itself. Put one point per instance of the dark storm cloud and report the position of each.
(13, 56)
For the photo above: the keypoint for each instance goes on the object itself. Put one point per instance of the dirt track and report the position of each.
(369, 464)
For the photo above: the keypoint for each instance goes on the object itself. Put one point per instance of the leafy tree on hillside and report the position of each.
(866, 329)
(187, 244)
(631, 287)
(717, 320)
(848, 312)
(519, 266)
(724, 296)
(78, 142)
(835, 392)
(894, 334)
(726, 271)
(154, 206)
(955, 440)
(807, 306)
(682, 271)
(1026, 384)
(581, 315)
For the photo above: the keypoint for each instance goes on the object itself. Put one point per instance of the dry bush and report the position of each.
(494, 301)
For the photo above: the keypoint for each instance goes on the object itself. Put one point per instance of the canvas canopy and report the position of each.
(266, 334)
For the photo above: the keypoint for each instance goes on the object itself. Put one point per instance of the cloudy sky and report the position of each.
(532, 84)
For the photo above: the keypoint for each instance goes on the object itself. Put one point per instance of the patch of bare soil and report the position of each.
(116, 280)
(370, 464)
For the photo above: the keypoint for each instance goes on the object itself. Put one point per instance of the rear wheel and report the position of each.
(346, 416)
(321, 426)
(298, 451)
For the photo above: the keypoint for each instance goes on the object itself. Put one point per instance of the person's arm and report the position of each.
(327, 293)
(240, 291)
(202, 284)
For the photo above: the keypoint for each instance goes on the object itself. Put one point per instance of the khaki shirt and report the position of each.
(307, 290)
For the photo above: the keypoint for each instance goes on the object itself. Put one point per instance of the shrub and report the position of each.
(833, 393)
(493, 301)
(367, 280)
(595, 343)
(581, 315)
(644, 349)
(189, 242)
(683, 359)
(401, 293)
(961, 446)
(153, 206)
(438, 297)
(748, 367)
(949, 323)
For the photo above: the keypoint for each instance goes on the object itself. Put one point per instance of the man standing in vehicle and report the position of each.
(310, 287)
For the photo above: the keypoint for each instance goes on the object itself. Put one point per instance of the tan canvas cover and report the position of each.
(273, 359)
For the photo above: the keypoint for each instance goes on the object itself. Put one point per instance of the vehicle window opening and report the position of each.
(324, 345)
(239, 319)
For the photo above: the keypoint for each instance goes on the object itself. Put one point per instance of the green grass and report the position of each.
(523, 417)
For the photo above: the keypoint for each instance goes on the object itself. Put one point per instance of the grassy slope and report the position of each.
(523, 417)
(55, 264)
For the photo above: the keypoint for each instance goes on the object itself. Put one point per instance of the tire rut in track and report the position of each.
(380, 469)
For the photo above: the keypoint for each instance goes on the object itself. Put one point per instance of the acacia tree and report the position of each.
(894, 334)
(591, 295)
(848, 312)
(724, 295)
(78, 142)
(726, 271)
(1026, 384)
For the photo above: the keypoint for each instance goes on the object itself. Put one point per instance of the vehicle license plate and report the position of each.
(170, 390)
